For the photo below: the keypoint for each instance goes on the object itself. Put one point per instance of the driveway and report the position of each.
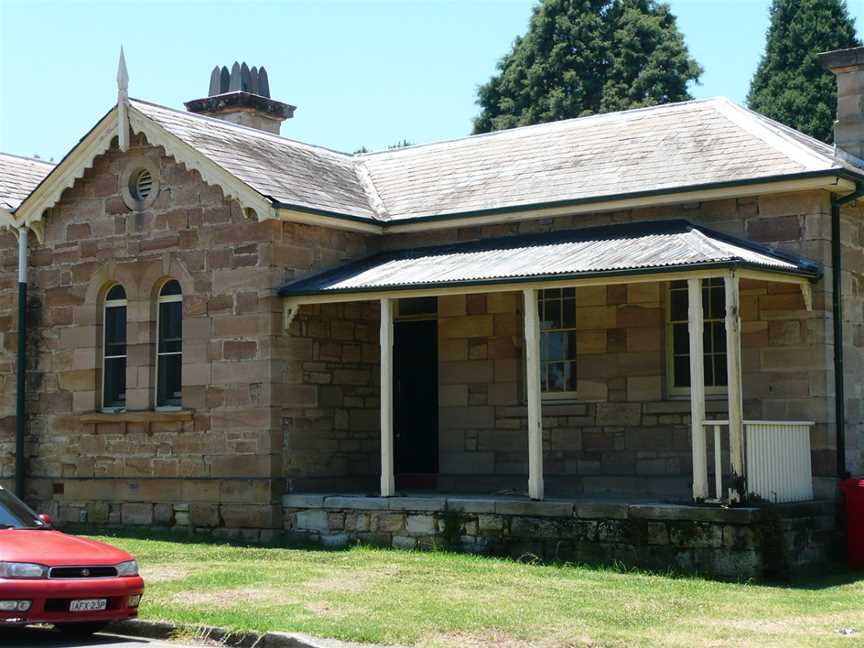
(37, 638)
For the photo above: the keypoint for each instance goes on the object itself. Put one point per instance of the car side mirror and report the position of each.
(46, 519)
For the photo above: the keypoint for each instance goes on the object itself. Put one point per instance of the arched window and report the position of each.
(114, 350)
(169, 346)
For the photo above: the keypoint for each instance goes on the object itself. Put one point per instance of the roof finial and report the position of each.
(122, 103)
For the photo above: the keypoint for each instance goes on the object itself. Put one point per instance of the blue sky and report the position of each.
(361, 73)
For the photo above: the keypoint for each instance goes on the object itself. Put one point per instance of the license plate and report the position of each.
(88, 605)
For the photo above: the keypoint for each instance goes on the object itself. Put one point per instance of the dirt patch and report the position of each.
(229, 598)
(500, 640)
(352, 582)
(164, 573)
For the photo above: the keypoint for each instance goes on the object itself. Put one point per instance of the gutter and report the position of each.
(837, 287)
(21, 366)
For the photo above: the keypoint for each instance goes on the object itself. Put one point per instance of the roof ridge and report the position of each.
(367, 183)
(28, 158)
(551, 124)
(248, 129)
(774, 134)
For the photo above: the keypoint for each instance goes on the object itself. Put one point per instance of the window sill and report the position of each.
(146, 416)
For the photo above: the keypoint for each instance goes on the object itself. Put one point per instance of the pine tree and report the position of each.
(790, 84)
(586, 56)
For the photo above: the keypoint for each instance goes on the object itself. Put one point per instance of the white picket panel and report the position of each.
(778, 460)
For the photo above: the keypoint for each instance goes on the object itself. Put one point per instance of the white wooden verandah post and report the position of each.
(733, 371)
(388, 480)
(532, 382)
(695, 326)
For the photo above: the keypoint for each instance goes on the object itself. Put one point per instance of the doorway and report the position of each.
(415, 406)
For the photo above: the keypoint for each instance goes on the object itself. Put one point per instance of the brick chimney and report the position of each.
(848, 66)
(242, 96)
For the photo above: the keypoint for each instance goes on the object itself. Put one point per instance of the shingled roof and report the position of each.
(671, 147)
(18, 177)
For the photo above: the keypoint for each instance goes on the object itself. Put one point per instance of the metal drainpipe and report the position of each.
(837, 284)
(21, 373)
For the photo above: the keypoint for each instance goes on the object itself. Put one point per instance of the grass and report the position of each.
(437, 599)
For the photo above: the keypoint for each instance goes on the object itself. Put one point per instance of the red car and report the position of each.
(46, 576)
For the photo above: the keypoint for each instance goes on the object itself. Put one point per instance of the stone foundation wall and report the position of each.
(726, 543)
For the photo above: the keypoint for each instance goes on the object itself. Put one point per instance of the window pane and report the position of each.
(418, 306)
(116, 292)
(556, 376)
(678, 305)
(544, 380)
(170, 327)
(570, 376)
(569, 314)
(115, 330)
(551, 315)
(720, 370)
(718, 330)
(708, 371)
(569, 293)
(557, 345)
(680, 339)
(170, 288)
(168, 393)
(718, 302)
(682, 371)
(114, 383)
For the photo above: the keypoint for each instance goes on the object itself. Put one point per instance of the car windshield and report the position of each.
(15, 514)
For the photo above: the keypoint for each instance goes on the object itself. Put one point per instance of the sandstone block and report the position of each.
(97, 512)
(163, 514)
(469, 326)
(312, 520)
(204, 515)
(134, 513)
(420, 524)
(387, 522)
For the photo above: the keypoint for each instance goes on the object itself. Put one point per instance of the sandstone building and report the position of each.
(226, 325)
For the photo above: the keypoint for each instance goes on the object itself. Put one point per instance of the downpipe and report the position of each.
(837, 286)
(21, 366)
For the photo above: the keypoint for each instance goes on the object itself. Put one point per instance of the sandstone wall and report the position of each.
(852, 237)
(219, 461)
(331, 399)
(626, 433)
(8, 347)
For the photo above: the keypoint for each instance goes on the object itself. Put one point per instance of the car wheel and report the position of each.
(80, 630)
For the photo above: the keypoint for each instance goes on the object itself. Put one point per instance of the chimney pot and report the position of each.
(847, 65)
(242, 96)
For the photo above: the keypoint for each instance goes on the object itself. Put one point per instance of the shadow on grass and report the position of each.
(825, 577)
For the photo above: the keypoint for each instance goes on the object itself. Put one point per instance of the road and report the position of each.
(37, 638)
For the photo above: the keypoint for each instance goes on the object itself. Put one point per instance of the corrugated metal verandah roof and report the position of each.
(651, 247)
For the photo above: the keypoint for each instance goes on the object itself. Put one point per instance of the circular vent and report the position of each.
(142, 184)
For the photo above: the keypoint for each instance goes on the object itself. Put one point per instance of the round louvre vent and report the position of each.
(139, 184)
(142, 185)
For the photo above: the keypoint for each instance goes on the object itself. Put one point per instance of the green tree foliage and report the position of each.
(790, 84)
(587, 56)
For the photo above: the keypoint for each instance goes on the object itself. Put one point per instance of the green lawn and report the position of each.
(442, 599)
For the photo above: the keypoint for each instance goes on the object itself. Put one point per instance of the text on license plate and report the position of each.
(88, 605)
